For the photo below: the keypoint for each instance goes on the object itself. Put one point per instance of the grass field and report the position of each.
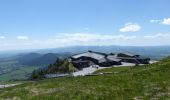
(13, 70)
(7, 66)
(148, 82)
(114, 70)
(20, 73)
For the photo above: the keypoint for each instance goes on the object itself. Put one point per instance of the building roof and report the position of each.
(101, 57)
(113, 58)
(127, 54)
(95, 55)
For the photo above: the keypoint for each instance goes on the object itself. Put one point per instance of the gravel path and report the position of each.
(88, 70)
(8, 85)
(91, 69)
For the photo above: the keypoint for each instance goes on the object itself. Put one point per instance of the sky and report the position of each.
(38, 24)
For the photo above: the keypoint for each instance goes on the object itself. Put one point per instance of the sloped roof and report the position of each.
(113, 58)
(101, 57)
(127, 54)
(90, 54)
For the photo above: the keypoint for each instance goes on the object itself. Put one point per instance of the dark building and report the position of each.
(90, 58)
(128, 55)
(93, 58)
(130, 58)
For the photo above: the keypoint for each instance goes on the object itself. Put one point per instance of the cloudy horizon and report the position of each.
(28, 25)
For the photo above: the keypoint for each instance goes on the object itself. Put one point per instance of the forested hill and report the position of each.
(20, 66)
(36, 59)
(60, 66)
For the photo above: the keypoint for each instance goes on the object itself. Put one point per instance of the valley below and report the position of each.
(20, 65)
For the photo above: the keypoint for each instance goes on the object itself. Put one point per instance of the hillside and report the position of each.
(20, 66)
(60, 66)
(36, 59)
(24, 59)
(148, 82)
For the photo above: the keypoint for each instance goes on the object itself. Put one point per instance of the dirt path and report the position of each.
(8, 85)
(89, 70)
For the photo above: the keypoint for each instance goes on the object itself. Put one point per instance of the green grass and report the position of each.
(20, 73)
(114, 70)
(6, 65)
(8, 62)
(148, 82)
(13, 70)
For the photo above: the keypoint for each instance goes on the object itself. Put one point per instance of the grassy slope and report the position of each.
(144, 82)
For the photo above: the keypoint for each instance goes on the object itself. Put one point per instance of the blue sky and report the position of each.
(33, 24)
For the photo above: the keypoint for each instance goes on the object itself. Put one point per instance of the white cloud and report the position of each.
(156, 39)
(72, 39)
(88, 39)
(130, 27)
(166, 21)
(2, 37)
(159, 35)
(154, 21)
(22, 37)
